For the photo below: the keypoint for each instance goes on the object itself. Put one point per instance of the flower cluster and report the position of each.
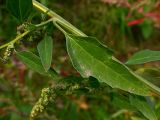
(47, 95)
(8, 52)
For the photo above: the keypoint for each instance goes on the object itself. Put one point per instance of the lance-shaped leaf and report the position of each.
(90, 58)
(142, 105)
(144, 56)
(34, 63)
(45, 52)
(19, 8)
(31, 60)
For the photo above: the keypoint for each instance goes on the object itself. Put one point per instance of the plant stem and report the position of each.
(118, 113)
(16, 39)
(19, 37)
(58, 19)
(54, 17)
(60, 28)
(44, 23)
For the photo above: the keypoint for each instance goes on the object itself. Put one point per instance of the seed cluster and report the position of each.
(8, 52)
(47, 95)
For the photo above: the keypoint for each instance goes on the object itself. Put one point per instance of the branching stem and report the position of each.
(19, 37)
(54, 17)
(58, 19)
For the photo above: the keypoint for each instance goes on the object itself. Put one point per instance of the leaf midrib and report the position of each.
(45, 46)
(155, 57)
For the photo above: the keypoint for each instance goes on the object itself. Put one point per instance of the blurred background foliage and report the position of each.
(126, 26)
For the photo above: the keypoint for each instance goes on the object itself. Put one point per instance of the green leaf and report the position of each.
(150, 74)
(31, 60)
(45, 52)
(121, 102)
(20, 8)
(144, 56)
(90, 58)
(142, 105)
(34, 63)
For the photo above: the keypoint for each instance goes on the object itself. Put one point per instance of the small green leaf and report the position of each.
(90, 58)
(142, 105)
(20, 8)
(45, 52)
(31, 60)
(144, 56)
(34, 63)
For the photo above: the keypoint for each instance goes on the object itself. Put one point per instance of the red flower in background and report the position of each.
(135, 22)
